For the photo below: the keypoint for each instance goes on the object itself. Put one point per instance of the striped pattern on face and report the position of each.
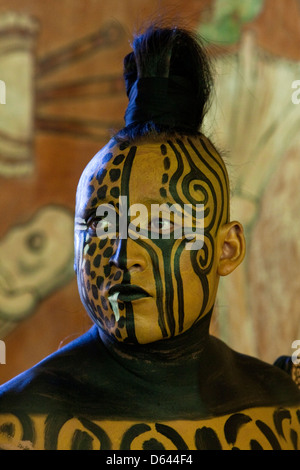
(180, 282)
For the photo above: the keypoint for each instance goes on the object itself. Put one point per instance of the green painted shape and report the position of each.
(228, 20)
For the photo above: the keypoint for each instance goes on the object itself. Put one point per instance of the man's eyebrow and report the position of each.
(173, 206)
(149, 201)
(88, 211)
(161, 202)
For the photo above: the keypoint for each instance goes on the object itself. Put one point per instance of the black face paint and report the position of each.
(179, 283)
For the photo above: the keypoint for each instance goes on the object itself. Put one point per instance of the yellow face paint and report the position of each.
(169, 286)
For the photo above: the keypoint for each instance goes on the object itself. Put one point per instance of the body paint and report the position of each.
(113, 300)
(187, 171)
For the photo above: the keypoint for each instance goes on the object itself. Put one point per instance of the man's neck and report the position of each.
(186, 346)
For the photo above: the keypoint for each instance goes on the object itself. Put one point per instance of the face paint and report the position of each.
(113, 300)
(163, 288)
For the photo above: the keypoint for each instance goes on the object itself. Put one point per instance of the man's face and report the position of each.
(144, 289)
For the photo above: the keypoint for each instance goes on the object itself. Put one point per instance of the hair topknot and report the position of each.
(169, 55)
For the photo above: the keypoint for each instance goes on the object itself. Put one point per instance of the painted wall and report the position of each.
(61, 62)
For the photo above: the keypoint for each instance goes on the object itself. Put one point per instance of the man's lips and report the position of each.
(128, 292)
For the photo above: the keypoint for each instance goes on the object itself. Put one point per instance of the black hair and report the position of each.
(166, 55)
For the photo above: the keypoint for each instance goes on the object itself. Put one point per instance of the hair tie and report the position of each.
(164, 101)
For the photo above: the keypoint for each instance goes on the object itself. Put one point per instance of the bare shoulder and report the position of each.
(264, 384)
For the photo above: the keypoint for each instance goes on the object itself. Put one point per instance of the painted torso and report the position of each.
(253, 429)
(119, 402)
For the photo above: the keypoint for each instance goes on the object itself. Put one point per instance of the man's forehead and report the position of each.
(116, 155)
(114, 164)
(147, 166)
(158, 156)
(107, 183)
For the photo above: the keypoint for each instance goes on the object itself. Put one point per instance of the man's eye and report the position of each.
(161, 225)
(98, 223)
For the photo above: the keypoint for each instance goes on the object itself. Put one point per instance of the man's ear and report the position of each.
(232, 247)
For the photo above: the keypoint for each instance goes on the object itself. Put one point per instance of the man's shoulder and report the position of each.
(264, 383)
(55, 375)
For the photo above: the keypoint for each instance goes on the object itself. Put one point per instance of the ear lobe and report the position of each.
(232, 247)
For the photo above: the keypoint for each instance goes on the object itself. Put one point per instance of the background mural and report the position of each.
(61, 62)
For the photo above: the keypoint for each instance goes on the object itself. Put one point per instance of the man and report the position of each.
(149, 375)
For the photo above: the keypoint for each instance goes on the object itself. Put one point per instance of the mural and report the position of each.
(36, 258)
(17, 38)
(255, 122)
(228, 18)
(24, 112)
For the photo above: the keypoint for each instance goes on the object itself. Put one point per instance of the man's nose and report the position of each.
(128, 255)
